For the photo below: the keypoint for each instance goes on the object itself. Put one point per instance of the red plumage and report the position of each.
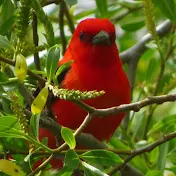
(96, 66)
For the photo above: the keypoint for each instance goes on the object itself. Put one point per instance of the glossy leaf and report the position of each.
(66, 171)
(163, 125)
(4, 42)
(10, 127)
(34, 124)
(102, 157)
(40, 101)
(167, 7)
(7, 25)
(93, 171)
(154, 173)
(71, 159)
(118, 144)
(133, 25)
(6, 13)
(3, 77)
(102, 7)
(10, 168)
(172, 156)
(52, 62)
(63, 68)
(163, 150)
(7, 10)
(68, 137)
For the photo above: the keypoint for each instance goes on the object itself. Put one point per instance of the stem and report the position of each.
(35, 39)
(61, 25)
(69, 17)
(160, 76)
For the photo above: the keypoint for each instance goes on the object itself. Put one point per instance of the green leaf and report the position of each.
(39, 72)
(1, 2)
(10, 127)
(102, 157)
(7, 10)
(163, 125)
(163, 150)
(3, 77)
(132, 26)
(140, 164)
(118, 144)
(167, 7)
(151, 67)
(88, 172)
(171, 156)
(63, 68)
(52, 62)
(66, 171)
(153, 155)
(7, 25)
(71, 159)
(71, 2)
(49, 33)
(4, 42)
(172, 169)
(34, 125)
(91, 170)
(102, 6)
(6, 13)
(154, 173)
(68, 137)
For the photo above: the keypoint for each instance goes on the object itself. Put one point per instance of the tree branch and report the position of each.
(135, 52)
(69, 18)
(61, 25)
(128, 107)
(35, 40)
(125, 13)
(148, 148)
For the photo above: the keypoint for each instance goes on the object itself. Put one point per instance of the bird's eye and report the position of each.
(81, 36)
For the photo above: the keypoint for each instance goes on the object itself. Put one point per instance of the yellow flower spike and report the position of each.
(10, 168)
(21, 67)
(40, 101)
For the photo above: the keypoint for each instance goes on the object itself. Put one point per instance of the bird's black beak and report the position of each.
(102, 38)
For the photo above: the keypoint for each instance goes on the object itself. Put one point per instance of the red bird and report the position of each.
(96, 66)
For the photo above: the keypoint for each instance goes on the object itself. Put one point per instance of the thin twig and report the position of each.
(43, 165)
(69, 18)
(64, 145)
(160, 76)
(133, 106)
(125, 13)
(135, 52)
(35, 39)
(148, 148)
(61, 25)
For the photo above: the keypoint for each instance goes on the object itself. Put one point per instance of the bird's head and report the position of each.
(94, 38)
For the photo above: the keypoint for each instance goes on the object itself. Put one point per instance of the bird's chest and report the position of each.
(108, 79)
